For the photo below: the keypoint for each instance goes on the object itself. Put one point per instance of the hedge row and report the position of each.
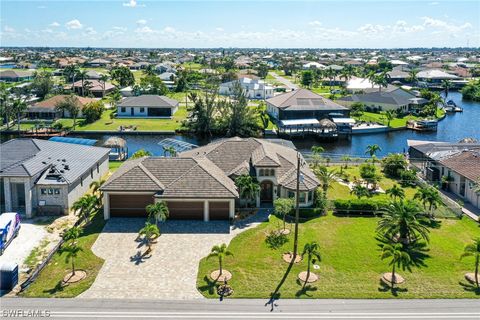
(359, 206)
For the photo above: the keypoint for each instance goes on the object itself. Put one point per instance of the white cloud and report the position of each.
(132, 4)
(123, 29)
(371, 28)
(315, 23)
(144, 29)
(90, 31)
(8, 29)
(219, 29)
(54, 24)
(442, 25)
(74, 24)
(141, 22)
(169, 30)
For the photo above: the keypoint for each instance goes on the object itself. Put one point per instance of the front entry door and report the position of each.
(266, 191)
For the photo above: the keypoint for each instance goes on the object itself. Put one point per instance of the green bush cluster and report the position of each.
(359, 206)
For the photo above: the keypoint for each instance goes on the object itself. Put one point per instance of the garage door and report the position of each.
(129, 205)
(219, 210)
(192, 210)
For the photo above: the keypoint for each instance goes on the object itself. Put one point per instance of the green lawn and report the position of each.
(114, 165)
(350, 266)
(143, 124)
(395, 123)
(48, 283)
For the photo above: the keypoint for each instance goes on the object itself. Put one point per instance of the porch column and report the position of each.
(28, 199)
(232, 209)
(7, 194)
(106, 206)
(206, 209)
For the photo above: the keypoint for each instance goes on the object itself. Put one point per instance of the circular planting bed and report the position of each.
(387, 277)
(302, 276)
(288, 256)
(72, 278)
(284, 231)
(470, 277)
(225, 276)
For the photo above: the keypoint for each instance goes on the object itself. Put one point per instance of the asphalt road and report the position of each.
(240, 309)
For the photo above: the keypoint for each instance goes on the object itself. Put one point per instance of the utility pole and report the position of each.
(297, 209)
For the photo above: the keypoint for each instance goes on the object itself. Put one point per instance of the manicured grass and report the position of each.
(48, 283)
(395, 123)
(143, 124)
(114, 165)
(350, 266)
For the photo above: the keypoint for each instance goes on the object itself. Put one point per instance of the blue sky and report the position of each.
(272, 24)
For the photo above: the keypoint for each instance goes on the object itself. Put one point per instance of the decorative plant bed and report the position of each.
(73, 278)
(302, 276)
(224, 290)
(288, 256)
(470, 277)
(225, 276)
(387, 278)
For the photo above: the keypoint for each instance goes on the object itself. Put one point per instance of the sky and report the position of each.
(242, 24)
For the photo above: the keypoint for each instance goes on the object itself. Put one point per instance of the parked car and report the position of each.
(9, 228)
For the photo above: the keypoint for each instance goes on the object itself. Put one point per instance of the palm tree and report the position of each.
(412, 76)
(346, 159)
(372, 149)
(396, 192)
(473, 250)
(398, 257)
(326, 177)
(95, 186)
(316, 155)
(360, 191)
(103, 79)
(390, 115)
(115, 98)
(403, 221)
(312, 250)
(85, 207)
(149, 232)
(72, 105)
(248, 187)
(428, 196)
(446, 85)
(19, 106)
(158, 210)
(82, 74)
(71, 251)
(381, 80)
(169, 150)
(149, 70)
(220, 252)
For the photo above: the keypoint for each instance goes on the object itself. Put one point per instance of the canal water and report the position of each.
(453, 128)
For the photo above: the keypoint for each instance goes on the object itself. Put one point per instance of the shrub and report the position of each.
(408, 178)
(57, 125)
(93, 111)
(359, 206)
(275, 239)
(320, 200)
(394, 164)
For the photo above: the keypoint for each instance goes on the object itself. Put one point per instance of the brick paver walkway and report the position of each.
(171, 271)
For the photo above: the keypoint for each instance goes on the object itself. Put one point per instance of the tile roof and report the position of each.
(148, 100)
(303, 99)
(397, 97)
(51, 103)
(465, 163)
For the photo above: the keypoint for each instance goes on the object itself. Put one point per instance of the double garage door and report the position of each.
(126, 205)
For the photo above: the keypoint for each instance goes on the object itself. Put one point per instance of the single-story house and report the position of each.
(15, 75)
(454, 166)
(46, 177)
(95, 87)
(303, 104)
(199, 183)
(389, 99)
(46, 109)
(99, 62)
(253, 88)
(147, 105)
(435, 76)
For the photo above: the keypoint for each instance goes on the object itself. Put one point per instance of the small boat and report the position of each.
(423, 125)
(458, 109)
(448, 109)
(451, 103)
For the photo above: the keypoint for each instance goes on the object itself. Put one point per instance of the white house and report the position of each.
(147, 105)
(253, 88)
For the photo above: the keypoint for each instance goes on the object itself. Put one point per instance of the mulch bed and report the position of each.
(284, 231)
(387, 277)
(470, 277)
(302, 276)
(71, 278)
(288, 256)
(225, 276)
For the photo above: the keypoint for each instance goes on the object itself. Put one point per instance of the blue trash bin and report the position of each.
(8, 276)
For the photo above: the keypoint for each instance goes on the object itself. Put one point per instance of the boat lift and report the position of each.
(178, 145)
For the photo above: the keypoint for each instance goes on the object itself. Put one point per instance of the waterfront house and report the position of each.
(147, 105)
(46, 109)
(199, 183)
(392, 98)
(95, 87)
(46, 177)
(453, 166)
(15, 75)
(253, 88)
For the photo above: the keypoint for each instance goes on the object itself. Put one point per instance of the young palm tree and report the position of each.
(312, 250)
(398, 257)
(346, 159)
(283, 206)
(396, 192)
(316, 155)
(71, 251)
(372, 149)
(95, 186)
(473, 250)
(403, 220)
(360, 191)
(326, 177)
(248, 187)
(158, 211)
(85, 207)
(446, 85)
(150, 232)
(390, 115)
(220, 252)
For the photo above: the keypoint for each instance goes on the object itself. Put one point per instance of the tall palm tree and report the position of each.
(150, 232)
(428, 196)
(82, 75)
(159, 211)
(372, 149)
(473, 250)
(412, 76)
(390, 115)
(149, 70)
(220, 252)
(396, 192)
(248, 187)
(316, 155)
(403, 221)
(85, 207)
(103, 79)
(312, 250)
(95, 186)
(398, 257)
(446, 85)
(19, 106)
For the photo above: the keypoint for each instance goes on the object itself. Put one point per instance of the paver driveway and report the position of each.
(171, 271)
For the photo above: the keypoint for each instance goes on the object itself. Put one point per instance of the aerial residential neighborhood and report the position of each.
(158, 159)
